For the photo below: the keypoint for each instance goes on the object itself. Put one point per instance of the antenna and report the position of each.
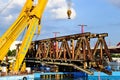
(82, 27)
(55, 34)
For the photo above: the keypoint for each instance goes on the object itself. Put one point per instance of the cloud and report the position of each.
(9, 18)
(9, 10)
(56, 3)
(16, 2)
(1, 4)
(61, 13)
(12, 8)
(115, 2)
(11, 4)
(58, 9)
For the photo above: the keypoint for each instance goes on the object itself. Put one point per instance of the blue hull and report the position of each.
(114, 73)
(37, 75)
(18, 77)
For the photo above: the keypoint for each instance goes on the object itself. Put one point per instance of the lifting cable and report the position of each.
(69, 4)
(36, 36)
(6, 6)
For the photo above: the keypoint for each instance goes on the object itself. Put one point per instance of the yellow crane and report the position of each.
(29, 18)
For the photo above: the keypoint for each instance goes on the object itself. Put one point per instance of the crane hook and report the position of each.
(69, 12)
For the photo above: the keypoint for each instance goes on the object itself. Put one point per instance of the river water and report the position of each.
(78, 76)
(83, 78)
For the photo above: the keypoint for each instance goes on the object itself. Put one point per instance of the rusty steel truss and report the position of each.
(72, 50)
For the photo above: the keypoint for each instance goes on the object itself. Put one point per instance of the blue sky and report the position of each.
(100, 16)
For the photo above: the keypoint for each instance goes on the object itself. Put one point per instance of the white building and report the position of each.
(13, 46)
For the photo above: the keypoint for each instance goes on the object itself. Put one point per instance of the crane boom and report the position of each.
(14, 31)
(29, 17)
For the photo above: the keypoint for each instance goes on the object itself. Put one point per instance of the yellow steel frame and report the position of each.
(29, 17)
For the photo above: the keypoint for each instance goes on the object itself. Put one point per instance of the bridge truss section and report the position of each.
(72, 50)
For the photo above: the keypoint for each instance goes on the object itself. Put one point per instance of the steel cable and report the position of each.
(6, 6)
